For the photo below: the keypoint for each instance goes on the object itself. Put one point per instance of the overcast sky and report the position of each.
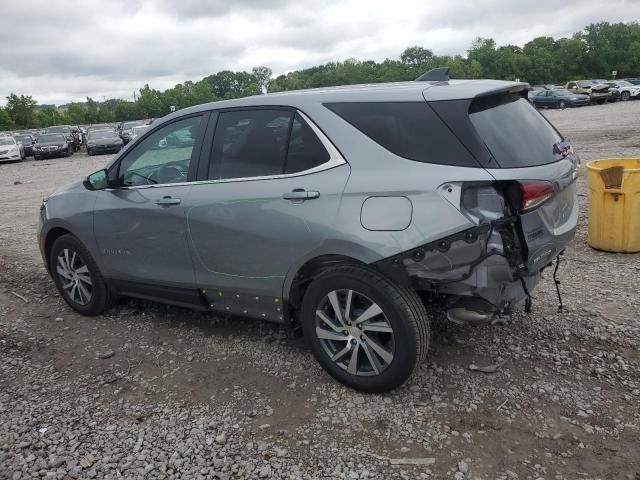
(61, 51)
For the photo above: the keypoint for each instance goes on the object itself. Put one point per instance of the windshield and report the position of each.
(562, 92)
(23, 139)
(624, 83)
(513, 131)
(7, 141)
(58, 130)
(585, 83)
(102, 134)
(50, 138)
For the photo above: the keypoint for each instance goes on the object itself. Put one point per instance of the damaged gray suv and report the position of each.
(357, 213)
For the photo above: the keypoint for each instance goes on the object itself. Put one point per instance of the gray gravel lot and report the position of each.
(149, 391)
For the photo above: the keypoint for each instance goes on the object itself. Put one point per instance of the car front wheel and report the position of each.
(77, 277)
(625, 96)
(562, 104)
(365, 331)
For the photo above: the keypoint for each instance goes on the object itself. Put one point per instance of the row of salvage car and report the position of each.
(584, 92)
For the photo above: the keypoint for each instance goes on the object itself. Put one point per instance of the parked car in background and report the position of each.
(624, 90)
(598, 92)
(354, 212)
(53, 145)
(27, 140)
(139, 130)
(635, 81)
(127, 130)
(559, 98)
(64, 130)
(535, 90)
(10, 150)
(103, 141)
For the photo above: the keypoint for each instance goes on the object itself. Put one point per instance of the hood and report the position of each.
(105, 141)
(77, 185)
(600, 87)
(50, 144)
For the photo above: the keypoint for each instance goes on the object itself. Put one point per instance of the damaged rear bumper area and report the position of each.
(484, 270)
(474, 273)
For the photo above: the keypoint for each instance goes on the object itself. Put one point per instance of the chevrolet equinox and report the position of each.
(355, 212)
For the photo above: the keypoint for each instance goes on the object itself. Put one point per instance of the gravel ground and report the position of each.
(150, 391)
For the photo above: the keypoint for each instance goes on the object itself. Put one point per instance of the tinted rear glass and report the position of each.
(513, 131)
(408, 129)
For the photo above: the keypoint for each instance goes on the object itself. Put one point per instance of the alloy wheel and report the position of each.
(354, 333)
(74, 276)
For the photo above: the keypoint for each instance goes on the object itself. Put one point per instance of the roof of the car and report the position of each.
(376, 92)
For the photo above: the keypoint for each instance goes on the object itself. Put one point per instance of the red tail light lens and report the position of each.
(534, 194)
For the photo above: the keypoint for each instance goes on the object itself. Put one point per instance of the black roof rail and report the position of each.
(435, 75)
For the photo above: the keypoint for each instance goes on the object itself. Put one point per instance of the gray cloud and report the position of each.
(65, 50)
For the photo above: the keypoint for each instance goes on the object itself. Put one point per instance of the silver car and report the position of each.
(356, 213)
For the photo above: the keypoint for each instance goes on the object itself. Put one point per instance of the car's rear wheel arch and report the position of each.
(311, 269)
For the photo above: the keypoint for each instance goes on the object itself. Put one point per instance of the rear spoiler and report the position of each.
(469, 89)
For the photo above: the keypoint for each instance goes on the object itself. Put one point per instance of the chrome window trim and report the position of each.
(335, 160)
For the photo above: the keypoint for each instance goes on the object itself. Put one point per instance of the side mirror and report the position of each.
(97, 180)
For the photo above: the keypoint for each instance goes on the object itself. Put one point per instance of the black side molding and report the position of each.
(435, 75)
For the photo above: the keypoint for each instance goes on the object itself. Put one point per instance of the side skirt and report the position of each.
(180, 297)
(262, 307)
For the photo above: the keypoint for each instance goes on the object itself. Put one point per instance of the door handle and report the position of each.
(301, 194)
(168, 201)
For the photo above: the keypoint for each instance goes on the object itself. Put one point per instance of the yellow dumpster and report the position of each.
(614, 204)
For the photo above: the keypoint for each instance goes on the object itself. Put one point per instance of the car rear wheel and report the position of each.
(364, 330)
(562, 104)
(78, 278)
(624, 96)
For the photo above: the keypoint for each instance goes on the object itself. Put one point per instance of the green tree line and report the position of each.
(592, 53)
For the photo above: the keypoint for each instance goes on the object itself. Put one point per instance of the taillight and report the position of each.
(534, 194)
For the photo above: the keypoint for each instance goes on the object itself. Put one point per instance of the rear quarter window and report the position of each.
(515, 133)
(411, 130)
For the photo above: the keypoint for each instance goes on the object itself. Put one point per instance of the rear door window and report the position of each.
(411, 130)
(515, 133)
(262, 143)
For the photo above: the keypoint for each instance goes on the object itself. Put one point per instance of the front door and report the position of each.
(140, 223)
(273, 185)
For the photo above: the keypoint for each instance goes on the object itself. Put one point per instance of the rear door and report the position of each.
(272, 184)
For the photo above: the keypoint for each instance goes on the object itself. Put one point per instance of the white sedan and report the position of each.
(10, 151)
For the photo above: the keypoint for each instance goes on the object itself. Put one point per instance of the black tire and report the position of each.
(89, 152)
(562, 104)
(402, 308)
(624, 96)
(102, 297)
